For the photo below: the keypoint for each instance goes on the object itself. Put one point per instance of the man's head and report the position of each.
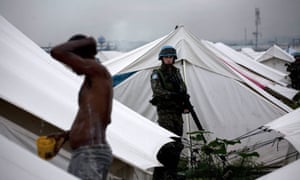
(296, 56)
(88, 51)
(167, 54)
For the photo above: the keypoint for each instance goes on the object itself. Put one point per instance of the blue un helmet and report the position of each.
(167, 51)
(296, 54)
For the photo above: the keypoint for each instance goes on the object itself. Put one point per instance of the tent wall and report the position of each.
(18, 163)
(26, 139)
(277, 64)
(219, 101)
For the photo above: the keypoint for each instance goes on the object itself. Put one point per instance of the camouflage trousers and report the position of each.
(169, 154)
(171, 120)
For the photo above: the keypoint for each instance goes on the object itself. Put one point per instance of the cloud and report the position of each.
(52, 21)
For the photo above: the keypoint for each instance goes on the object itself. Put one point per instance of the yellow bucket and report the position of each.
(45, 147)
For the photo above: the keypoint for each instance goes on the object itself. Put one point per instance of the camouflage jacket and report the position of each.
(169, 89)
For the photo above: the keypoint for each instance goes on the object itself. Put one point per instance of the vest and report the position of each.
(173, 82)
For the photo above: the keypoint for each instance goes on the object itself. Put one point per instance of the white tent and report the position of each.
(276, 58)
(251, 53)
(31, 80)
(25, 138)
(221, 97)
(289, 126)
(254, 66)
(290, 50)
(18, 163)
(288, 172)
(106, 55)
(260, 74)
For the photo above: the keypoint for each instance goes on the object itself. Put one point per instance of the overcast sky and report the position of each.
(48, 22)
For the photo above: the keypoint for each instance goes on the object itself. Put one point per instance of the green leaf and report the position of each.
(246, 155)
(198, 132)
(231, 142)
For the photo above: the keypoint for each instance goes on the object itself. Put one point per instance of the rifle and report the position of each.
(190, 107)
(186, 98)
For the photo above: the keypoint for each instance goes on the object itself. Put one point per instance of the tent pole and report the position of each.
(186, 116)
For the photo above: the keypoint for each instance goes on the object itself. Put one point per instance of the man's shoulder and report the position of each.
(176, 69)
(95, 68)
(155, 74)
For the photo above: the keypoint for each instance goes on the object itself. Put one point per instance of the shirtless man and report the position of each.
(91, 156)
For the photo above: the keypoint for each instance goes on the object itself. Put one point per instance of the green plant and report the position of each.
(210, 160)
(296, 100)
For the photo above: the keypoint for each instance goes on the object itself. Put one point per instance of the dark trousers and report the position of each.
(169, 156)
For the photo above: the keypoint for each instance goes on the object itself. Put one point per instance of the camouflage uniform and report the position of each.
(168, 92)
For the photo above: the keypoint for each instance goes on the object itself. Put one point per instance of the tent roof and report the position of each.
(188, 48)
(18, 163)
(248, 51)
(276, 52)
(33, 81)
(253, 70)
(254, 66)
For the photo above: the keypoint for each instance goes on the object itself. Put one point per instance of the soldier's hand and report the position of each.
(185, 111)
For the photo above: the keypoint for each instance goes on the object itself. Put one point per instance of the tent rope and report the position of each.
(256, 131)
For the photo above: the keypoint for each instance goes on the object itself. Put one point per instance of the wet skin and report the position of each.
(95, 95)
(94, 111)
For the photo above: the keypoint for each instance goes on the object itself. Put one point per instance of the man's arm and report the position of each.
(64, 53)
(60, 139)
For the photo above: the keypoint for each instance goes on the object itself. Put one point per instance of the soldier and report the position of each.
(294, 69)
(169, 92)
